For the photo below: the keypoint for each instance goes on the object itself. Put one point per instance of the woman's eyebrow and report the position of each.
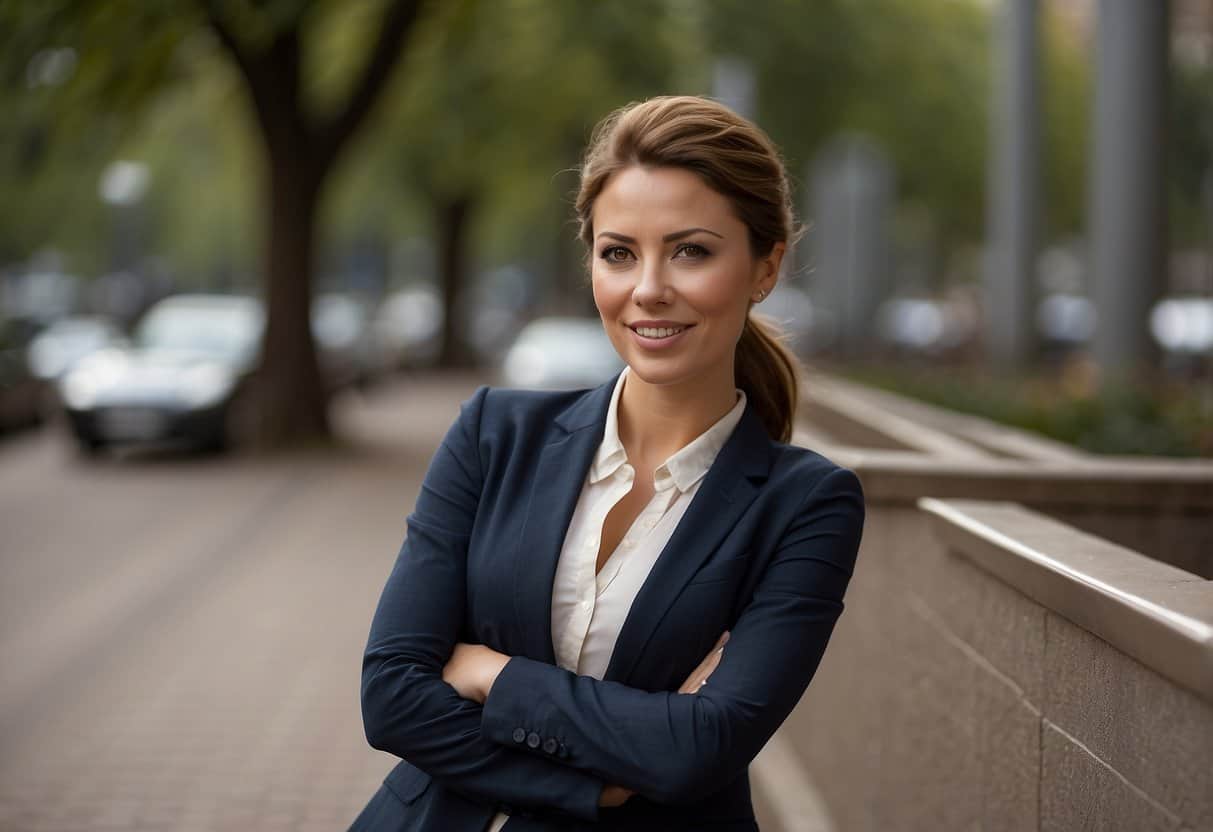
(668, 238)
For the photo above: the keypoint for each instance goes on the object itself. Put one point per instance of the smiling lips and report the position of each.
(657, 329)
(658, 334)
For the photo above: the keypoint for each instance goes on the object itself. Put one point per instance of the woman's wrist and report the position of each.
(494, 663)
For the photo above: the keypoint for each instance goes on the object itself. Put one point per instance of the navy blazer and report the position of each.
(765, 550)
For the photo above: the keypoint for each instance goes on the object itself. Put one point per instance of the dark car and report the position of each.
(181, 380)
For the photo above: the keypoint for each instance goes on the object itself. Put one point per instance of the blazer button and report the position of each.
(532, 739)
(519, 734)
(562, 751)
(549, 745)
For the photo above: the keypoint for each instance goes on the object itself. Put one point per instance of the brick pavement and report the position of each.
(221, 691)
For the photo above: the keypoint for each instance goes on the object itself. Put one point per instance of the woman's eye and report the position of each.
(691, 250)
(615, 254)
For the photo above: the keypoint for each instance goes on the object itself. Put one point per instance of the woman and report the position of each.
(549, 650)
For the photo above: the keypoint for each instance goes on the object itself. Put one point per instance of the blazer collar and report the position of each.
(590, 410)
(728, 488)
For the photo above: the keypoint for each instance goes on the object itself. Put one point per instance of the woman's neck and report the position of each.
(657, 420)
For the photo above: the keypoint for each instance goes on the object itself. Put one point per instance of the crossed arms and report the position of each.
(667, 746)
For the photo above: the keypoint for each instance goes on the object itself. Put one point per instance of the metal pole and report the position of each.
(1127, 203)
(1013, 195)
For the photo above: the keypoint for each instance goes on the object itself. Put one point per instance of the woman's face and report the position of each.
(673, 274)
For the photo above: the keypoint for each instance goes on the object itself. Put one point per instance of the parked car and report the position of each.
(348, 351)
(560, 353)
(407, 326)
(57, 347)
(182, 378)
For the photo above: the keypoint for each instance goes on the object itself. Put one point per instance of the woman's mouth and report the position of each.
(658, 337)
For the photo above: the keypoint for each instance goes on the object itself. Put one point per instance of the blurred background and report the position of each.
(315, 227)
(1009, 207)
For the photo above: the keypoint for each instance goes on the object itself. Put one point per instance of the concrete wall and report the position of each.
(1028, 639)
(952, 699)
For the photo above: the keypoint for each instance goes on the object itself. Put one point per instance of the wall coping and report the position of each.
(920, 423)
(1138, 482)
(871, 421)
(1158, 614)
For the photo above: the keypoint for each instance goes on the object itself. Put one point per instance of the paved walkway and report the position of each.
(181, 638)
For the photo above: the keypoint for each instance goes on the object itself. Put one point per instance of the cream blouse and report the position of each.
(588, 609)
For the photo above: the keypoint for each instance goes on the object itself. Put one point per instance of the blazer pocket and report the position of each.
(722, 570)
(407, 782)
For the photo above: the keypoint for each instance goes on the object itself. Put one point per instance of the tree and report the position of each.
(127, 52)
(507, 93)
(302, 148)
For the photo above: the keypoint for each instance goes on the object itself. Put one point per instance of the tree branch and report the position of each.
(397, 22)
(229, 40)
(271, 75)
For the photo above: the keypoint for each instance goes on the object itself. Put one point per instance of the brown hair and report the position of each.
(737, 159)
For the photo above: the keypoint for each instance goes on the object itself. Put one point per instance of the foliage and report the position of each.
(59, 137)
(498, 98)
(1065, 80)
(1191, 152)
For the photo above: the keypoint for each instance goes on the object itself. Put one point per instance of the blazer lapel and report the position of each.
(555, 488)
(727, 490)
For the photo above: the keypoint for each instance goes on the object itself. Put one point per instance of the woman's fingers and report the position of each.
(613, 795)
(701, 673)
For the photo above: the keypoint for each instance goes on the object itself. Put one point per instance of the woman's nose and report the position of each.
(651, 287)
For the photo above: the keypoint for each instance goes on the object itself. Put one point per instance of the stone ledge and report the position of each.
(789, 800)
(1160, 615)
(989, 437)
(1157, 483)
(849, 416)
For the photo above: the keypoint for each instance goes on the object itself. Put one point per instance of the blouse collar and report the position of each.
(682, 469)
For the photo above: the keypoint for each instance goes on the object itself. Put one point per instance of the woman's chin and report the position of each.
(659, 371)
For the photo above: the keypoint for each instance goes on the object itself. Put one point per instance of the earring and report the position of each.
(761, 295)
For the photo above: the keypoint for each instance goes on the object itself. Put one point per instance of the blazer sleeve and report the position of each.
(407, 709)
(679, 748)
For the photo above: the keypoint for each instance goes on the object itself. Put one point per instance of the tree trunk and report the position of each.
(452, 215)
(291, 397)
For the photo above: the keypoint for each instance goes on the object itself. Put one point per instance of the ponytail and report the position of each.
(767, 371)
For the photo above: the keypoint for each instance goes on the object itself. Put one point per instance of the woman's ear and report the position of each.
(768, 267)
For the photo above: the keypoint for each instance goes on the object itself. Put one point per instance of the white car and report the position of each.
(561, 353)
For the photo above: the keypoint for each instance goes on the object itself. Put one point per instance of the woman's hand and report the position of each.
(472, 669)
(613, 795)
(699, 676)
